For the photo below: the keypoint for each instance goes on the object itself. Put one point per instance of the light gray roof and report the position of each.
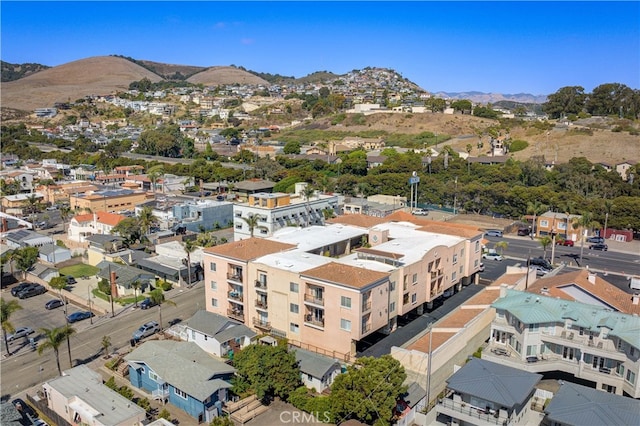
(86, 384)
(502, 385)
(50, 248)
(40, 270)
(103, 238)
(9, 415)
(125, 274)
(537, 309)
(252, 185)
(314, 364)
(219, 327)
(575, 404)
(183, 365)
(23, 235)
(415, 393)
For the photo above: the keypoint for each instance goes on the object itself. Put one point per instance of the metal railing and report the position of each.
(313, 299)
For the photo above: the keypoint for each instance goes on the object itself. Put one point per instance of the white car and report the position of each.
(420, 212)
(492, 256)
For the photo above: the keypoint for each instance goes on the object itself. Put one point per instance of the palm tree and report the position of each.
(535, 207)
(154, 174)
(502, 245)
(544, 242)
(33, 203)
(53, 338)
(136, 285)
(60, 283)
(157, 296)
(6, 310)
(146, 219)
(189, 247)
(252, 222)
(65, 212)
(307, 193)
(608, 207)
(584, 222)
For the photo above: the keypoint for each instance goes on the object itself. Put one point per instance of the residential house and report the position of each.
(316, 371)
(217, 334)
(560, 224)
(124, 275)
(108, 200)
(80, 397)
(623, 169)
(203, 214)
(41, 273)
(53, 253)
(538, 333)
(84, 225)
(10, 416)
(17, 203)
(199, 386)
(253, 186)
(576, 405)
(26, 238)
(410, 404)
(24, 179)
(482, 392)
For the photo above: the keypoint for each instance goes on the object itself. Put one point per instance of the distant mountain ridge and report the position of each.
(484, 98)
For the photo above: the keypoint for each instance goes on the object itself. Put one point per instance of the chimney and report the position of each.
(592, 277)
(114, 287)
(635, 299)
(503, 290)
(130, 257)
(95, 218)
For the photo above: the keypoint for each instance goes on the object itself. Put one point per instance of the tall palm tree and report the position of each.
(608, 207)
(136, 285)
(157, 295)
(502, 245)
(545, 242)
(6, 310)
(536, 208)
(53, 338)
(60, 283)
(307, 193)
(584, 222)
(252, 222)
(154, 174)
(146, 219)
(189, 247)
(65, 213)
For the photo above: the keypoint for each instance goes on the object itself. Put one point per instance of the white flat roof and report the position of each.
(315, 237)
(294, 261)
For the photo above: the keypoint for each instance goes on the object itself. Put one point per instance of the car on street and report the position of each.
(146, 330)
(539, 261)
(34, 290)
(23, 407)
(600, 247)
(595, 240)
(52, 208)
(567, 243)
(493, 233)
(523, 232)
(420, 212)
(492, 256)
(541, 271)
(19, 333)
(147, 303)
(52, 304)
(79, 316)
(20, 287)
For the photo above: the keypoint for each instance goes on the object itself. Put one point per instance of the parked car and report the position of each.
(420, 212)
(539, 261)
(71, 279)
(79, 316)
(493, 233)
(23, 407)
(34, 290)
(19, 333)
(600, 247)
(541, 271)
(492, 256)
(523, 232)
(595, 240)
(52, 304)
(146, 330)
(147, 303)
(52, 208)
(567, 243)
(20, 287)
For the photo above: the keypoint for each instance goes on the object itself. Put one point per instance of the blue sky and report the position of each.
(501, 47)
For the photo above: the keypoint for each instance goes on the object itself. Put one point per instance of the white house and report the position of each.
(216, 334)
(316, 371)
(84, 225)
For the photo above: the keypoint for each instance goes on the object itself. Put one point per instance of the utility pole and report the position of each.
(429, 370)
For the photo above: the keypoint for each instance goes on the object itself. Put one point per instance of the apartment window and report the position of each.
(392, 307)
(214, 285)
(180, 393)
(475, 263)
(293, 287)
(294, 328)
(533, 327)
(544, 223)
(345, 302)
(238, 225)
(415, 278)
(454, 274)
(392, 286)
(455, 259)
(414, 298)
(631, 377)
(477, 246)
(293, 308)
(212, 266)
(153, 376)
(461, 269)
(345, 324)
(214, 302)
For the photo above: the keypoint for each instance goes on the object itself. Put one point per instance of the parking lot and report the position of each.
(33, 314)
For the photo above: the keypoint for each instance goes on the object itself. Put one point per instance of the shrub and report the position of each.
(339, 118)
(165, 414)
(144, 404)
(518, 145)
(478, 353)
(111, 383)
(126, 392)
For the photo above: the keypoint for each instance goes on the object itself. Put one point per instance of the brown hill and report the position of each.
(215, 76)
(169, 70)
(71, 81)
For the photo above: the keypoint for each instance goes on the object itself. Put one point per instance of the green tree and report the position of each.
(502, 246)
(53, 338)
(369, 390)
(611, 99)
(189, 247)
(269, 371)
(6, 310)
(136, 286)
(252, 221)
(25, 258)
(222, 421)
(545, 242)
(567, 100)
(536, 208)
(155, 173)
(129, 229)
(292, 147)
(165, 414)
(106, 342)
(462, 105)
(65, 213)
(157, 296)
(146, 219)
(584, 222)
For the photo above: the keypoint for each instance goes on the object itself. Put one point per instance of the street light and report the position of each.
(89, 302)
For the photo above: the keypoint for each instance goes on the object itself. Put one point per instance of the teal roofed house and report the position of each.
(593, 343)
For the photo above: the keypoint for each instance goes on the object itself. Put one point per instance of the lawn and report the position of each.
(79, 270)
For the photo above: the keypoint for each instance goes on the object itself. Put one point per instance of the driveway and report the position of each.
(282, 413)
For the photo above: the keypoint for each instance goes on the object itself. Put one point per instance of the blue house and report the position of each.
(182, 374)
(203, 214)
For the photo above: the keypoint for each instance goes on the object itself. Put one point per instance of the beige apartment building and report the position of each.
(325, 288)
(108, 200)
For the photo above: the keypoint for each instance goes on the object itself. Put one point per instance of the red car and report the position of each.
(568, 243)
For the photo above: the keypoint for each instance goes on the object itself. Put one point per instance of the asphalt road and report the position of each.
(26, 368)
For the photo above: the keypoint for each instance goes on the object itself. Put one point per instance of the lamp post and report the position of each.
(89, 303)
(429, 369)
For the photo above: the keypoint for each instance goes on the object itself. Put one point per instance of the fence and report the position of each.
(41, 405)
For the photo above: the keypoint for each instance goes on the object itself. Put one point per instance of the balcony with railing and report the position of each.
(160, 393)
(261, 304)
(237, 314)
(261, 285)
(314, 299)
(235, 275)
(235, 296)
(366, 305)
(596, 346)
(473, 415)
(314, 322)
(261, 324)
(366, 328)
